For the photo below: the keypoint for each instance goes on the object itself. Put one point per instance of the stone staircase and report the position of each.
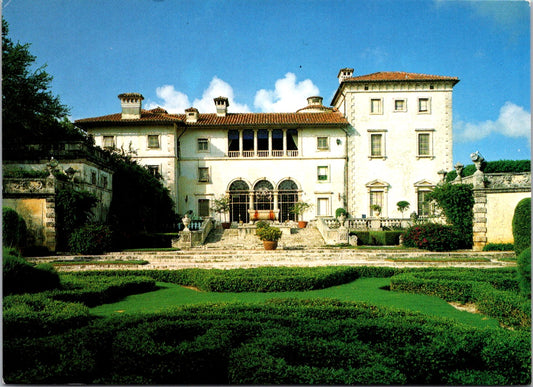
(225, 250)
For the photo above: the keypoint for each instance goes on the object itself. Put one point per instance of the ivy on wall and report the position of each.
(457, 204)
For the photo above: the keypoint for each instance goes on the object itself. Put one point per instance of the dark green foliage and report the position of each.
(457, 204)
(522, 225)
(494, 292)
(433, 237)
(14, 229)
(39, 314)
(498, 247)
(140, 204)
(73, 210)
(262, 224)
(524, 271)
(262, 279)
(320, 341)
(90, 239)
(268, 233)
(93, 290)
(19, 276)
(340, 211)
(499, 166)
(378, 238)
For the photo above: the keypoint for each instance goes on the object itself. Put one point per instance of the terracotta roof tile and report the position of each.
(399, 76)
(212, 119)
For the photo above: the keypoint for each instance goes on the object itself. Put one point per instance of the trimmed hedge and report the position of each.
(319, 341)
(433, 237)
(261, 279)
(498, 166)
(498, 299)
(524, 272)
(522, 225)
(377, 238)
(498, 247)
(19, 276)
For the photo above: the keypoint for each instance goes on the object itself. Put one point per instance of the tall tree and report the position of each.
(30, 112)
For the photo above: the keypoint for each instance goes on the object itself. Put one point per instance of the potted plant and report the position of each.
(221, 205)
(299, 209)
(270, 237)
(376, 209)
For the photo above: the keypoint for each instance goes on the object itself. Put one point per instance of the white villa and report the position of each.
(384, 139)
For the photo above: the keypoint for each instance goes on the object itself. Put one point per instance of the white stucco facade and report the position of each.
(383, 140)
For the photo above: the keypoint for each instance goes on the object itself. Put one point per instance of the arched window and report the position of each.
(263, 195)
(239, 198)
(288, 196)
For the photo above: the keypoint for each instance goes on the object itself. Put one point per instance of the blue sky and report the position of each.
(271, 55)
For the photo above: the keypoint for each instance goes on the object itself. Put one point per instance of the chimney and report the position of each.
(315, 100)
(221, 104)
(131, 104)
(344, 73)
(191, 115)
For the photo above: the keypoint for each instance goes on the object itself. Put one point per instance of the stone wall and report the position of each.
(495, 198)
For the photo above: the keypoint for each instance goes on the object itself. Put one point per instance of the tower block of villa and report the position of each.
(384, 139)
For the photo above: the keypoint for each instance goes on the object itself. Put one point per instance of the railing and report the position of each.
(329, 226)
(198, 232)
(262, 153)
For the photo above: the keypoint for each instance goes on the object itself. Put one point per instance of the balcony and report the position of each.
(262, 154)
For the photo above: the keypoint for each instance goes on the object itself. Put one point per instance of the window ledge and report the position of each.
(377, 157)
(431, 157)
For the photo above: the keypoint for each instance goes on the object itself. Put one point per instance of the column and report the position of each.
(251, 205)
(284, 142)
(255, 142)
(240, 142)
(269, 142)
(276, 200)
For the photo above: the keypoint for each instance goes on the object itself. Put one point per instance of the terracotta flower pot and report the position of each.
(270, 245)
(302, 224)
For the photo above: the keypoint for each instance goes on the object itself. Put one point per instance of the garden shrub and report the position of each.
(73, 210)
(281, 341)
(38, 314)
(457, 204)
(14, 230)
(377, 238)
(340, 211)
(522, 225)
(93, 290)
(19, 276)
(90, 239)
(433, 237)
(498, 166)
(524, 271)
(494, 296)
(498, 247)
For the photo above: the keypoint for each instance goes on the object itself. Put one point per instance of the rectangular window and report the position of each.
(423, 205)
(154, 170)
(424, 144)
(203, 174)
(322, 143)
(322, 173)
(400, 105)
(109, 142)
(322, 207)
(153, 141)
(376, 198)
(203, 145)
(376, 145)
(375, 106)
(203, 207)
(423, 105)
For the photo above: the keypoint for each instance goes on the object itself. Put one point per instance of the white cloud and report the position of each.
(513, 121)
(288, 96)
(175, 101)
(218, 88)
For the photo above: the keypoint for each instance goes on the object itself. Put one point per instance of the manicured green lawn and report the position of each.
(368, 290)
